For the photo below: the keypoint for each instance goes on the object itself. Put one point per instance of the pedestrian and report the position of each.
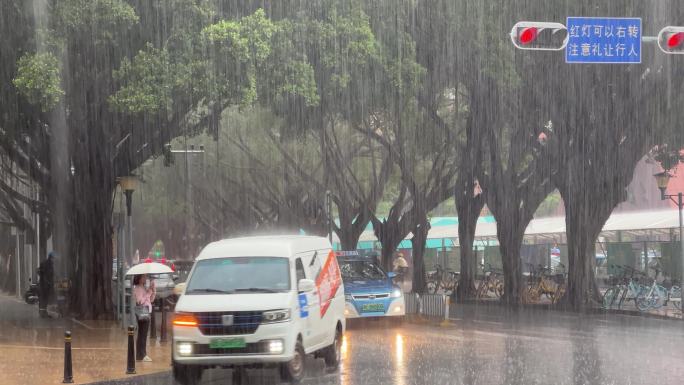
(46, 283)
(400, 268)
(143, 308)
(400, 264)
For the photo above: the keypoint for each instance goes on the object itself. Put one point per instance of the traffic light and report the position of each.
(539, 36)
(168, 155)
(671, 40)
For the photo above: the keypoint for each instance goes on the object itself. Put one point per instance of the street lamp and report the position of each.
(128, 185)
(663, 179)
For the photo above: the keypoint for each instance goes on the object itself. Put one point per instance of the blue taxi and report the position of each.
(368, 290)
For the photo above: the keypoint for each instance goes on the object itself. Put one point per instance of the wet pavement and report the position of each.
(490, 345)
(32, 348)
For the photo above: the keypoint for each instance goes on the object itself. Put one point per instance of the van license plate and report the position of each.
(373, 307)
(228, 343)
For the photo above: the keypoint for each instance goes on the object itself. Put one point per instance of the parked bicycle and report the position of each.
(544, 281)
(624, 287)
(491, 283)
(441, 279)
(653, 296)
(675, 296)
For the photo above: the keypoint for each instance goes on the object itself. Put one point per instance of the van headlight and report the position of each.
(275, 346)
(184, 348)
(274, 316)
(396, 292)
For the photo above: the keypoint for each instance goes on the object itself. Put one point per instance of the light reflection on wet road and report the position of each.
(498, 347)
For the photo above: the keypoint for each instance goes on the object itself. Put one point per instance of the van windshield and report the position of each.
(240, 275)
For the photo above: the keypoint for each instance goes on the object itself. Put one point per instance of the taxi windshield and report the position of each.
(360, 270)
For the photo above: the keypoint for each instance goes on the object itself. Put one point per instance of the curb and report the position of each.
(548, 307)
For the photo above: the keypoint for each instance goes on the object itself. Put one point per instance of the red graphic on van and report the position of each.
(328, 282)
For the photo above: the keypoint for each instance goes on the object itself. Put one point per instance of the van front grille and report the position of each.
(370, 296)
(244, 322)
(252, 348)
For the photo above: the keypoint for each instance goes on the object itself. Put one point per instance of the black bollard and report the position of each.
(162, 329)
(131, 351)
(153, 325)
(68, 373)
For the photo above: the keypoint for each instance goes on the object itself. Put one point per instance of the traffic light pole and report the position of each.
(681, 238)
(188, 192)
(678, 199)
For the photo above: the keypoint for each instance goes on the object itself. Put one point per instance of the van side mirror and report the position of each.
(305, 285)
(391, 275)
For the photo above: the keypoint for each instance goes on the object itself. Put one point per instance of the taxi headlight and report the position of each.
(274, 316)
(396, 292)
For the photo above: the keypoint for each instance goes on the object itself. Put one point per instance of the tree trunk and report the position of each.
(510, 239)
(350, 229)
(420, 233)
(90, 232)
(390, 236)
(468, 208)
(585, 216)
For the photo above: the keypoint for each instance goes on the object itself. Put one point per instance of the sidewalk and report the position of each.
(32, 349)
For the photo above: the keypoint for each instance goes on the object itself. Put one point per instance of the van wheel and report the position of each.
(187, 374)
(333, 353)
(293, 371)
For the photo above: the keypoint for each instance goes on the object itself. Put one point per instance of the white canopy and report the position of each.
(656, 221)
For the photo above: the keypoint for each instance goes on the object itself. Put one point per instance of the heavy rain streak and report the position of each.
(349, 192)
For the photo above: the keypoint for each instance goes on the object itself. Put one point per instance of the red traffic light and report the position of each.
(671, 40)
(539, 36)
(675, 40)
(528, 35)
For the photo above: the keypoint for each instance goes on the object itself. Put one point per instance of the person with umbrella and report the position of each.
(144, 296)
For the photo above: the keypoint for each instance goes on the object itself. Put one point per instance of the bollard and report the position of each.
(68, 373)
(153, 325)
(130, 369)
(447, 300)
(162, 329)
(420, 304)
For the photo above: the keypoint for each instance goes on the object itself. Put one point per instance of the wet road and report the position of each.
(495, 346)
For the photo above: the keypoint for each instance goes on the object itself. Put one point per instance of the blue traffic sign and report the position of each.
(603, 40)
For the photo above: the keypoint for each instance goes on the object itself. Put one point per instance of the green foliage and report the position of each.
(549, 206)
(103, 18)
(38, 79)
(151, 80)
(298, 79)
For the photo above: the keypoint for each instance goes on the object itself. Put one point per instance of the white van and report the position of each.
(259, 301)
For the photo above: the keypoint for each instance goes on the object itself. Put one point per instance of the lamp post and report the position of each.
(128, 185)
(328, 209)
(663, 179)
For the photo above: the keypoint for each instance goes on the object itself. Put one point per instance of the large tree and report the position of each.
(599, 121)
(128, 79)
